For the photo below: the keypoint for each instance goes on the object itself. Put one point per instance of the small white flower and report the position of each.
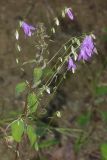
(57, 21)
(58, 113)
(48, 90)
(17, 61)
(17, 34)
(53, 30)
(18, 47)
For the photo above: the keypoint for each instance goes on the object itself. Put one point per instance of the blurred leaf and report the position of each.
(47, 72)
(37, 74)
(17, 128)
(43, 158)
(41, 129)
(77, 146)
(81, 140)
(68, 131)
(104, 116)
(84, 119)
(31, 135)
(20, 87)
(104, 38)
(36, 146)
(48, 143)
(32, 102)
(99, 100)
(101, 90)
(105, 29)
(104, 151)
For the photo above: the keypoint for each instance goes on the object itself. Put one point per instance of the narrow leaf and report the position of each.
(32, 102)
(31, 135)
(48, 143)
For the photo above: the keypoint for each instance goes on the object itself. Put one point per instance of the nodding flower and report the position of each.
(28, 29)
(70, 13)
(87, 48)
(71, 65)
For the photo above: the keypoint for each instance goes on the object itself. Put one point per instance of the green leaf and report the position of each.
(101, 90)
(83, 119)
(104, 116)
(47, 72)
(17, 128)
(20, 87)
(31, 135)
(32, 102)
(105, 29)
(104, 38)
(37, 74)
(36, 146)
(79, 142)
(41, 128)
(48, 143)
(104, 151)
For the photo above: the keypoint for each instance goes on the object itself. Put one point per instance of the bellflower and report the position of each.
(87, 48)
(28, 29)
(69, 13)
(71, 65)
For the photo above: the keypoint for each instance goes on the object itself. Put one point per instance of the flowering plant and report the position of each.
(39, 85)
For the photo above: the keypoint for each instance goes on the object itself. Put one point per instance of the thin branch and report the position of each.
(17, 152)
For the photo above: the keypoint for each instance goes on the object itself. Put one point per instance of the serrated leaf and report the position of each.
(32, 102)
(37, 74)
(104, 151)
(17, 128)
(20, 87)
(31, 135)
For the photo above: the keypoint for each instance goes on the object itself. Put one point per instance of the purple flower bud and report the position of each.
(28, 29)
(71, 65)
(87, 49)
(69, 13)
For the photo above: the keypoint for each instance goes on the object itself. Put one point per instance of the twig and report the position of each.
(17, 152)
